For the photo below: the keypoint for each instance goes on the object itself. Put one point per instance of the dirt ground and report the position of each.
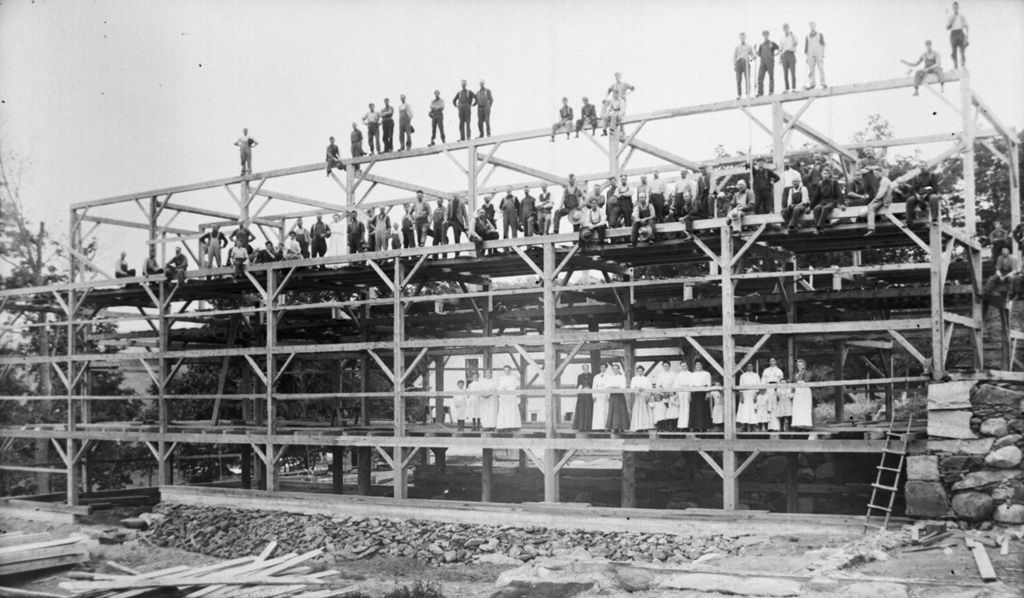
(779, 555)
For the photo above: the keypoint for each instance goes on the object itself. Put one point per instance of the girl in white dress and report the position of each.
(717, 409)
(473, 401)
(508, 402)
(745, 413)
(680, 408)
(659, 405)
(600, 399)
(460, 407)
(784, 407)
(489, 401)
(640, 419)
(762, 407)
(803, 402)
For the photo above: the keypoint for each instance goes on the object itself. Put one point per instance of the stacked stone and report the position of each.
(229, 533)
(972, 466)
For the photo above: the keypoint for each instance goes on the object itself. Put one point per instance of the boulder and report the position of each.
(994, 426)
(1009, 514)
(1007, 441)
(925, 499)
(950, 424)
(923, 468)
(985, 479)
(973, 506)
(1004, 458)
(874, 589)
(986, 394)
(774, 466)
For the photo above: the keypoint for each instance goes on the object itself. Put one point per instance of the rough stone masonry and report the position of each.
(970, 466)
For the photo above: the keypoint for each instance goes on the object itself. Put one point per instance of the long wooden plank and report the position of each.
(184, 580)
(985, 569)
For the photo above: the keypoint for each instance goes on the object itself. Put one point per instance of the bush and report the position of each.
(420, 590)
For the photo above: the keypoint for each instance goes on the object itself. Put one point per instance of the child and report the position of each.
(460, 406)
(784, 407)
(717, 411)
(762, 408)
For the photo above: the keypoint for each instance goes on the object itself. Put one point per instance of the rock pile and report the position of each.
(229, 533)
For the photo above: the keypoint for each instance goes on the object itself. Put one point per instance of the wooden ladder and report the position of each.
(889, 468)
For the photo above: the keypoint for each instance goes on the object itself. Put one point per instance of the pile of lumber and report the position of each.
(247, 577)
(23, 553)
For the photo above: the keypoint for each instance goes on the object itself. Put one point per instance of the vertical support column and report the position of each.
(937, 308)
(164, 470)
(967, 155)
(730, 488)
(398, 367)
(244, 197)
(487, 476)
(364, 465)
(246, 452)
(471, 169)
(338, 469)
(551, 482)
(792, 493)
(271, 344)
(778, 153)
(72, 418)
(840, 365)
(628, 480)
(439, 388)
(613, 154)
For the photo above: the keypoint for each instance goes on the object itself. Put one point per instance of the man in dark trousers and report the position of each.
(571, 195)
(482, 231)
(356, 230)
(766, 52)
(704, 191)
(588, 116)
(643, 215)
(464, 100)
(175, 269)
(827, 196)
(796, 200)
(458, 219)
(356, 141)
(924, 193)
(436, 117)
(408, 228)
(318, 235)
(685, 208)
(528, 214)
(333, 157)
(438, 224)
(484, 100)
(764, 181)
(421, 218)
(387, 121)
(509, 208)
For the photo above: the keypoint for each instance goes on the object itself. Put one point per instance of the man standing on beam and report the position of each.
(464, 100)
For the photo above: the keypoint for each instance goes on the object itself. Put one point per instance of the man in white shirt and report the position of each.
(742, 55)
(789, 173)
(372, 121)
(404, 124)
(658, 197)
(814, 49)
(882, 199)
(245, 145)
(292, 250)
(957, 26)
(788, 47)
(624, 200)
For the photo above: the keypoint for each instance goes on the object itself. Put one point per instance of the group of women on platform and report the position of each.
(496, 408)
(670, 399)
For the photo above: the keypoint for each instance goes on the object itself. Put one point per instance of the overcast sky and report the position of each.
(111, 97)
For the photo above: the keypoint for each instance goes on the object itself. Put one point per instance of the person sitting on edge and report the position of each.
(151, 266)
(564, 120)
(122, 270)
(743, 202)
(827, 197)
(1007, 276)
(266, 255)
(796, 200)
(175, 269)
(594, 225)
(333, 156)
(482, 232)
(292, 250)
(932, 66)
(923, 193)
(643, 216)
(882, 199)
(588, 116)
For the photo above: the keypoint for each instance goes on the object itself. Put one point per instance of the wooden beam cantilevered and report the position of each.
(523, 169)
(657, 152)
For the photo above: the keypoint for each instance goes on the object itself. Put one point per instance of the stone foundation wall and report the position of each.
(970, 466)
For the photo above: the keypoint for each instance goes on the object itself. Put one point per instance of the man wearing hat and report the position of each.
(482, 231)
(464, 100)
(509, 215)
(593, 226)
(643, 217)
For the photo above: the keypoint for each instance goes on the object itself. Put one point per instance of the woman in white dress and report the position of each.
(508, 402)
(473, 401)
(640, 419)
(746, 415)
(803, 402)
(460, 407)
(489, 401)
(681, 411)
(338, 239)
(659, 405)
(600, 383)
